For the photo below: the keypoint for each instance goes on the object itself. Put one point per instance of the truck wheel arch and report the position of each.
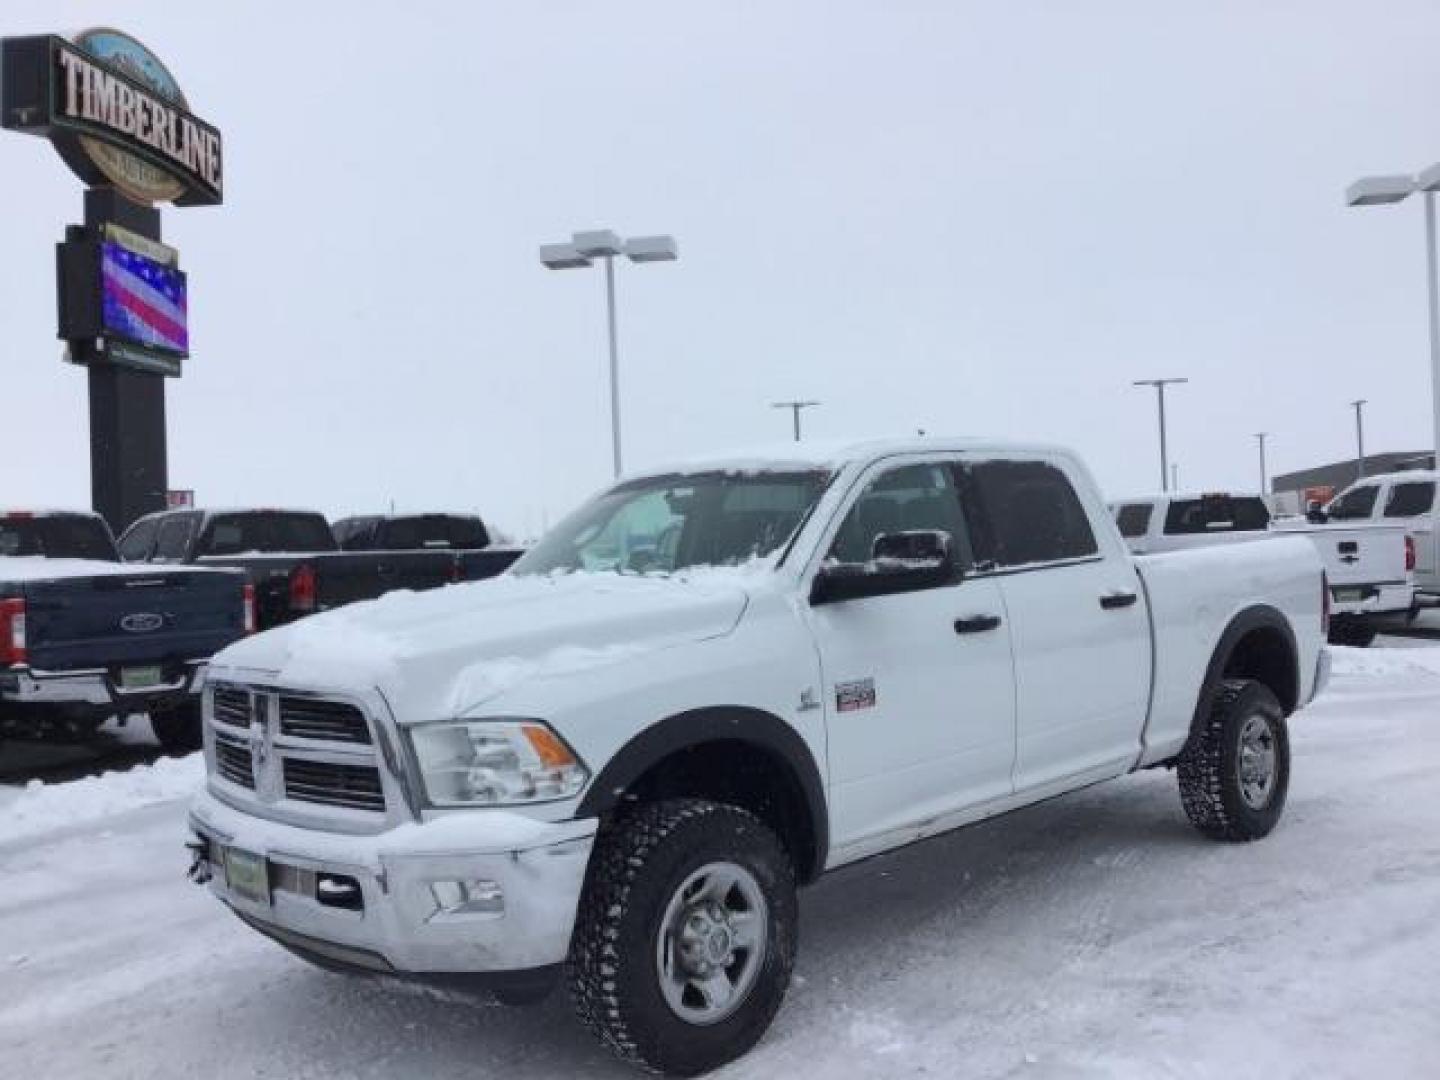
(793, 803)
(1258, 644)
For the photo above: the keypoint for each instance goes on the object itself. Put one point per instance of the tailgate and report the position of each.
(145, 617)
(1374, 555)
(364, 575)
(479, 563)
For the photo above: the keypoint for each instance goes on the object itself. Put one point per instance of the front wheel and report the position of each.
(1352, 632)
(177, 727)
(685, 938)
(1235, 771)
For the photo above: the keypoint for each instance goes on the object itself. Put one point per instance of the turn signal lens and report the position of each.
(553, 753)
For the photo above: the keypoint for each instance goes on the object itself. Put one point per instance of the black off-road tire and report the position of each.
(638, 864)
(177, 728)
(1208, 768)
(1346, 631)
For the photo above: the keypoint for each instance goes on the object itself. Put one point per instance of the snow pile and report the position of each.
(1384, 663)
(42, 807)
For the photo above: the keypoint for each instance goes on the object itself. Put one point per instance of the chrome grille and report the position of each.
(232, 706)
(332, 784)
(232, 760)
(327, 721)
(289, 747)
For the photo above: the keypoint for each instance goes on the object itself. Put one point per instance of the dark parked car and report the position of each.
(292, 558)
(84, 637)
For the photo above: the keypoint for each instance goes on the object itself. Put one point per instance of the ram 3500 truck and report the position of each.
(712, 684)
(84, 637)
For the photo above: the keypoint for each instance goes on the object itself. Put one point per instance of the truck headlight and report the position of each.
(495, 763)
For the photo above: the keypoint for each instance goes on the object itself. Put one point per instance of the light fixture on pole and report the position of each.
(1159, 385)
(1359, 407)
(1260, 437)
(795, 407)
(582, 251)
(1384, 191)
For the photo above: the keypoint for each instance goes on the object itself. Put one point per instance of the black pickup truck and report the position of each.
(84, 637)
(294, 562)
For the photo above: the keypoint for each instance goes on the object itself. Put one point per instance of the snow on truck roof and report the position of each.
(830, 454)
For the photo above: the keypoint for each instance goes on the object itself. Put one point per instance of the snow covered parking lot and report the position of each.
(1095, 935)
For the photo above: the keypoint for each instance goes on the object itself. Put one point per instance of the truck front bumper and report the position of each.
(98, 687)
(487, 891)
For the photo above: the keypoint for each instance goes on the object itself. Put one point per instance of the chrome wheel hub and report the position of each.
(712, 942)
(1255, 762)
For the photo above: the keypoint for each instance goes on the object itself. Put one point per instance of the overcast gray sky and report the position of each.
(972, 218)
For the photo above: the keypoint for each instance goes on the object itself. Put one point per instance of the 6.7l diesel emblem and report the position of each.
(142, 622)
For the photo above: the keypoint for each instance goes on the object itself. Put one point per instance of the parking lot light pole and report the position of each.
(795, 407)
(1359, 407)
(1260, 437)
(1385, 191)
(582, 251)
(1159, 385)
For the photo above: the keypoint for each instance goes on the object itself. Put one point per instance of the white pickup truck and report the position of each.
(712, 684)
(1401, 498)
(1370, 566)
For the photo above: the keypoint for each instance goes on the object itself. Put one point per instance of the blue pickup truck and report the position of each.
(84, 637)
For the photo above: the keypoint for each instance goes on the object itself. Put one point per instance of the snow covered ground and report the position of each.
(1093, 936)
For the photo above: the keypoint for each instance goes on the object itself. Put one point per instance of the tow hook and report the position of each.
(201, 871)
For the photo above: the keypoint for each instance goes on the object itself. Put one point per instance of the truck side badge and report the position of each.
(809, 699)
(856, 695)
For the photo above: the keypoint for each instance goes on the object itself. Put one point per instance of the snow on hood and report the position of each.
(447, 651)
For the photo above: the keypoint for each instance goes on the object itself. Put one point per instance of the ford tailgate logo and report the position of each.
(142, 622)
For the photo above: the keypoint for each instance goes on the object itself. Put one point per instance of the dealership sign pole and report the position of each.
(117, 117)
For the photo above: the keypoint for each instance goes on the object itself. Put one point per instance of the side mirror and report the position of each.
(1315, 513)
(899, 562)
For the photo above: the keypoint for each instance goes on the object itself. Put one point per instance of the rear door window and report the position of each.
(1134, 519)
(1410, 498)
(1216, 513)
(1358, 502)
(1028, 514)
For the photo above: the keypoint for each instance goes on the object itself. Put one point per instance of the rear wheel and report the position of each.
(1353, 632)
(177, 727)
(1235, 772)
(685, 938)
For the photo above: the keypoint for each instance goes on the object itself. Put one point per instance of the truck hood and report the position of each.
(447, 652)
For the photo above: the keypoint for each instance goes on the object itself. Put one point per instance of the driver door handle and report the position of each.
(976, 624)
(1111, 601)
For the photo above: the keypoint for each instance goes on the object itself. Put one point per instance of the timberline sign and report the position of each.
(114, 113)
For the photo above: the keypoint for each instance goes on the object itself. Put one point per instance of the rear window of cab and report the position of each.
(1216, 513)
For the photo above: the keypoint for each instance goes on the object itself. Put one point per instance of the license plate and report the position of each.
(1344, 596)
(248, 875)
(137, 678)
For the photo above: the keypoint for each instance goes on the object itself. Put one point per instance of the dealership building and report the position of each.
(1293, 490)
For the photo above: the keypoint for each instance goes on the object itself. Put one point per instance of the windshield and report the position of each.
(664, 523)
